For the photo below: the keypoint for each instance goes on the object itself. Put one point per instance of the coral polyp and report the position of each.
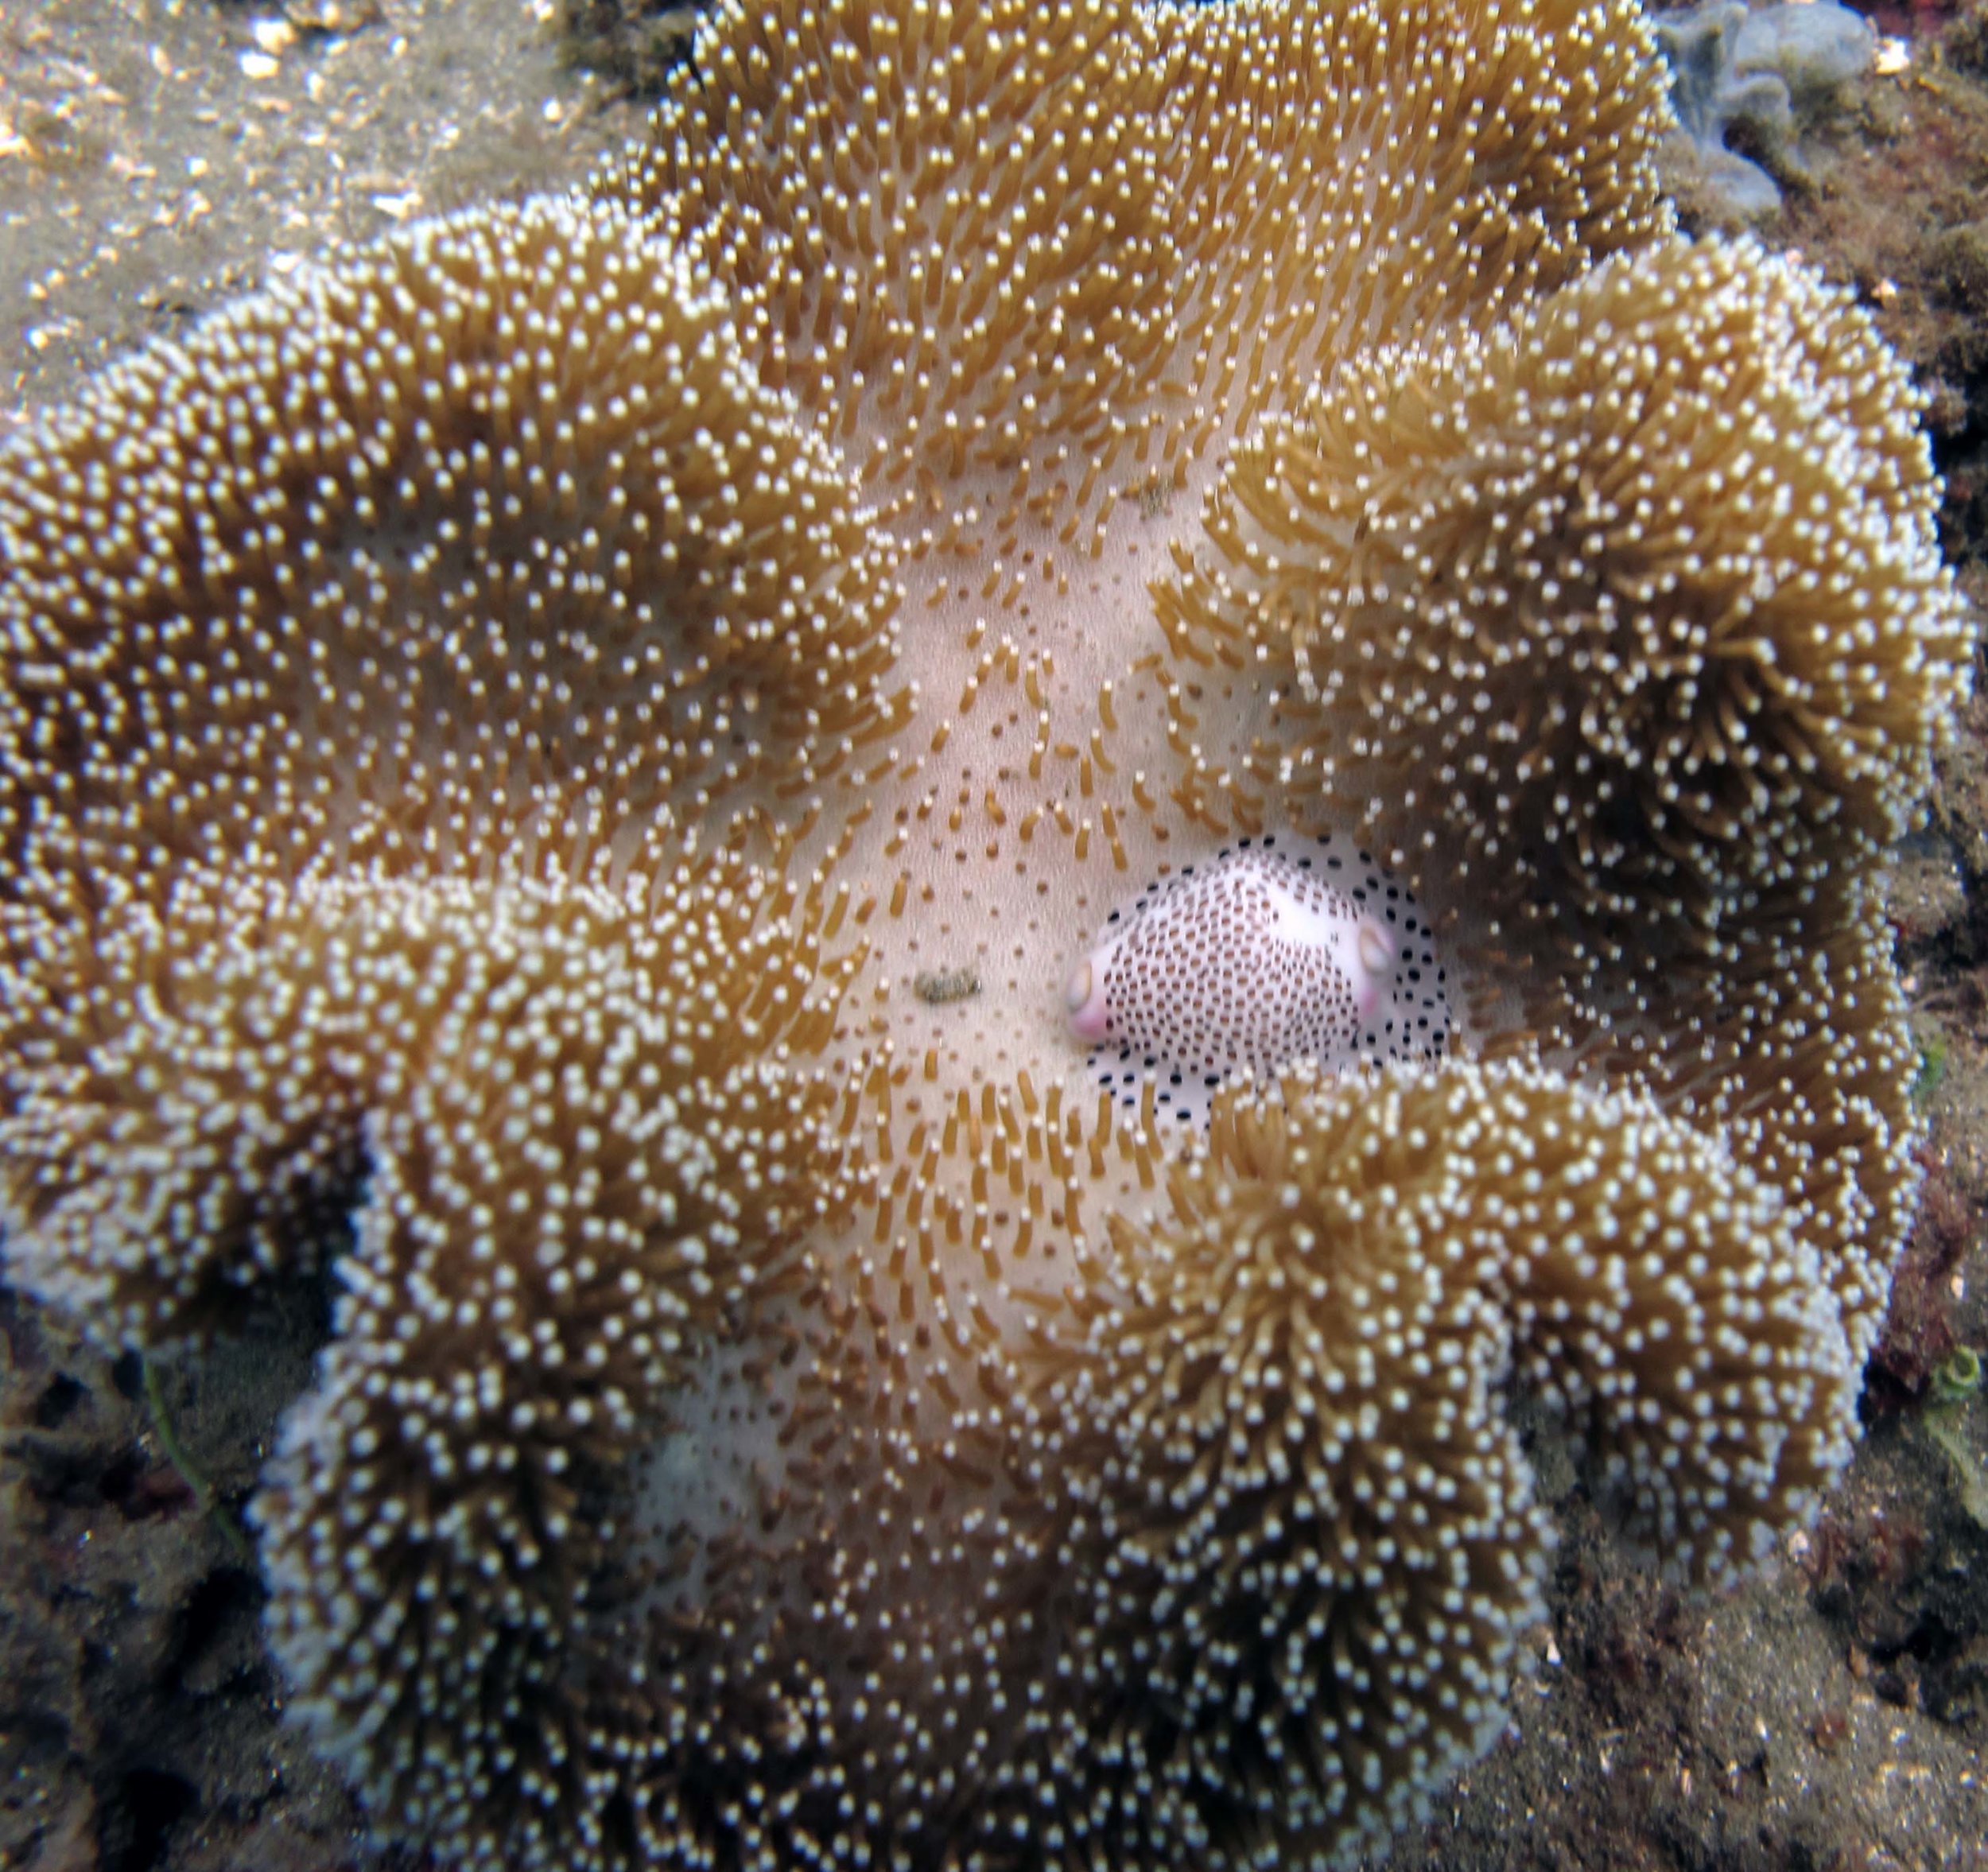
(561, 765)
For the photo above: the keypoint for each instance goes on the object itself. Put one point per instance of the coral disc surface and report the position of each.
(559, 764)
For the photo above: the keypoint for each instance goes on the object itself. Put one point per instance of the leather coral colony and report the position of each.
(564, 763)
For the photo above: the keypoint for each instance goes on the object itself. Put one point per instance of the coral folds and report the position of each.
(560, 765)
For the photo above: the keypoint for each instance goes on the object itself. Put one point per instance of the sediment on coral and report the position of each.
(564, 760)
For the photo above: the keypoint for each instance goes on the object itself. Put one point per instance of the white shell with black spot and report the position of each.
(1278, 948)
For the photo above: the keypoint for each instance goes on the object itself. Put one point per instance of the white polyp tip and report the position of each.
(1077, 991)
(1376, 947)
